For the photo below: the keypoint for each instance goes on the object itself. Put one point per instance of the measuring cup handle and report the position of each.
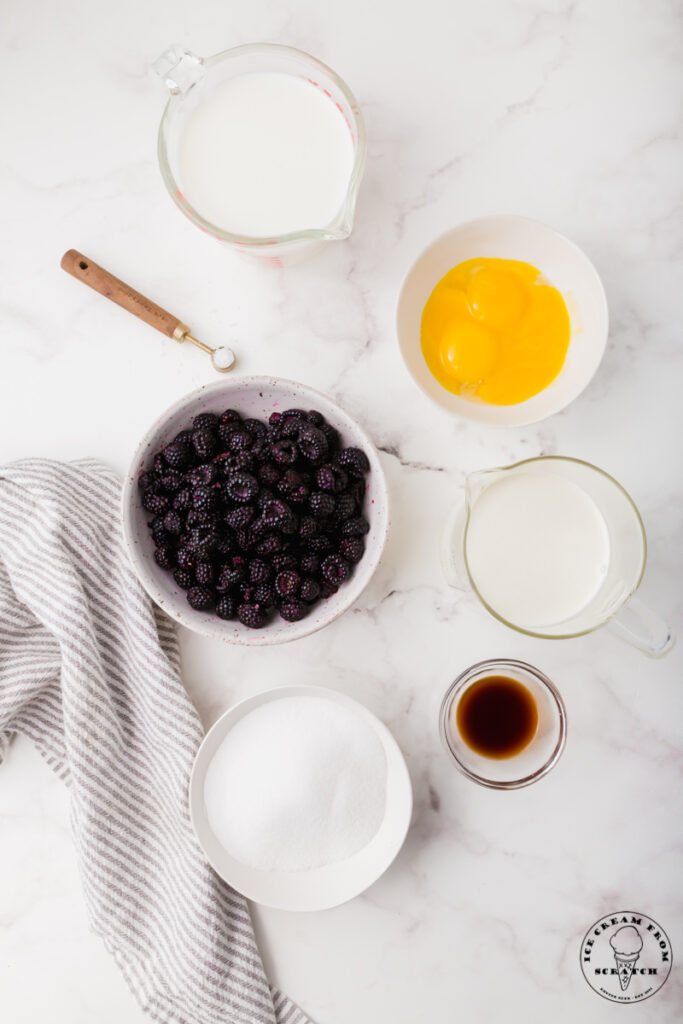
(179, 69)
(642, 628)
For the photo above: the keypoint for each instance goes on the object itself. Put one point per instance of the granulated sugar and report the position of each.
(297, 783)
(223, 357)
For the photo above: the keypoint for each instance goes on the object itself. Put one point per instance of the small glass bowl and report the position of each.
(537, 758)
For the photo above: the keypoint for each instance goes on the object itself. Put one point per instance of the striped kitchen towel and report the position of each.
(90, 672)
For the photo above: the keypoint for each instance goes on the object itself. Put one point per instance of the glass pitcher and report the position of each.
(613, 601)
(190, 79)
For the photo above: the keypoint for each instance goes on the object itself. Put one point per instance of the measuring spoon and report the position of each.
(96, 277)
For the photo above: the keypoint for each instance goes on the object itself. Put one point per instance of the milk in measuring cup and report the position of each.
(265, 154)
(537, 549)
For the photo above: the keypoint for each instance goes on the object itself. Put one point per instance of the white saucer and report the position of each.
(560, 261)
(320, 888)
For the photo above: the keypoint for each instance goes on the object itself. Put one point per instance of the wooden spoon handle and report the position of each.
(78, 265)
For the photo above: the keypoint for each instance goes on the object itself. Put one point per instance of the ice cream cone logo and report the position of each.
(627, 944)
(626, 957)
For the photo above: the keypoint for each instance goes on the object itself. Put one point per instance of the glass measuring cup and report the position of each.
(190, 79)
(613, 603)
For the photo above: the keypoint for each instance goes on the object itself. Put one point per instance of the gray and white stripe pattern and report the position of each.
(90, 672)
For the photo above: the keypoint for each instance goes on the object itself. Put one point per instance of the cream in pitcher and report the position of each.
(266, 154)
(554, 547)
(538, 548)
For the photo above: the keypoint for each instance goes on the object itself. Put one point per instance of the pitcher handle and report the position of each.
(178, 68)
(642, 628)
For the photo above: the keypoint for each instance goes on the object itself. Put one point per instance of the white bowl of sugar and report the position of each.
(300, 798)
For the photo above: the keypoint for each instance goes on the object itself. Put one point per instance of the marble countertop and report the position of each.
(563, 111)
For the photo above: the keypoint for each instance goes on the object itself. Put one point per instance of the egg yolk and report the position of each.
(495, 331)
(468, 352)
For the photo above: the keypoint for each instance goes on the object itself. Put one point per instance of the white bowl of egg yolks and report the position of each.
(511, 336)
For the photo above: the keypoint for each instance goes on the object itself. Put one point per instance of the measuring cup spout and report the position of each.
(453, 538)
(178, 68)
(477, 482)
(342, 226)
(337, 232)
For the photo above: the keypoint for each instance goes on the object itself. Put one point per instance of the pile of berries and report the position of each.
(256, 519)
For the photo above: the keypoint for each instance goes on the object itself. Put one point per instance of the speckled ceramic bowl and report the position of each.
(254, 397)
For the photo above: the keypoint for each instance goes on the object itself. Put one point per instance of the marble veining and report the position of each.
(567, 112)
